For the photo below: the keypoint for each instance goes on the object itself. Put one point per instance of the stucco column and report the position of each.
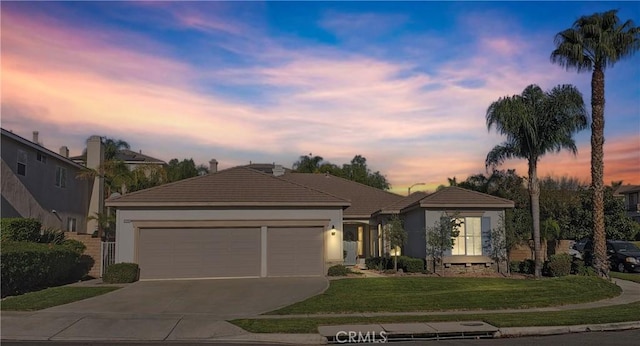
(95, 158)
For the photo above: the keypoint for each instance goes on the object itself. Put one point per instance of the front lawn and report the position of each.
(436, 294)
(609, 314)
(52, 297)
(635, 277)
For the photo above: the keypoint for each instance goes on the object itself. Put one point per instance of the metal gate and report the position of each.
(350, 252)
(107, 255)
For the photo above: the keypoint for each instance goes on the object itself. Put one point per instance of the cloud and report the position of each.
(278, 98)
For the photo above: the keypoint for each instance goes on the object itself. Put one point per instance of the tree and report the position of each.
(178, 170)
(395, 235)
(441, 238)
(105, 223)
(308, 164)
(535, 123)
(358, 171)
(594, 43)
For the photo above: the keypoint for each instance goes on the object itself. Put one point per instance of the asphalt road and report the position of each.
(622, 338)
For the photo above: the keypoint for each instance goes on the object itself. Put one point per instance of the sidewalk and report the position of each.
(52, 325)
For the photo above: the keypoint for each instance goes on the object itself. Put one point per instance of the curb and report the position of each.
(554, 330)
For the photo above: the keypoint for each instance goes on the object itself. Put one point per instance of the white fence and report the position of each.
(107, 255)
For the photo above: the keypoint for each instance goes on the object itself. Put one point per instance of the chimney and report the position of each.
(35, 137)
(64, 151)
(213, 166)
(278, 170)
(95, 158)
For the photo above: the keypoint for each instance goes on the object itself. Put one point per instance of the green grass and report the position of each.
(635, 277)
(437, 294)
(609, 314)
(51, 297)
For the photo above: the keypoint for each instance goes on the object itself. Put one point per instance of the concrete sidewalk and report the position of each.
(52, 324)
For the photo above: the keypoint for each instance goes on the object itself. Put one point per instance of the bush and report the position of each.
(52, 235)
(121, 273)
(413, 265)
(74, 245)
(560, 265)
(338, 270)
(579, 268)
(514, 266)
(407, 264)
(28, 266)
(528, 266)
(20, 229)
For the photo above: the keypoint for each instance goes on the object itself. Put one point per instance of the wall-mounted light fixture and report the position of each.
(333, 230)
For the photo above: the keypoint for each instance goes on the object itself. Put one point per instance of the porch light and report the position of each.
(333, 230)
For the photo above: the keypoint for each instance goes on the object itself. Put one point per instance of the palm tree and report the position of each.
(535, 123)
(593, 43)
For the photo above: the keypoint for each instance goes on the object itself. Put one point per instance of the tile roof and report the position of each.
(395, 208)
(126, 156)
(457, 197)
(265, 167)
(365, 200)
(622, 189)
(39, 147)
(237, 186)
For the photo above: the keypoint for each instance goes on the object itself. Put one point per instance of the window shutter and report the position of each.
(486, 236)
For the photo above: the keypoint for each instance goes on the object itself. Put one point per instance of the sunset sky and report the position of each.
(404, 84)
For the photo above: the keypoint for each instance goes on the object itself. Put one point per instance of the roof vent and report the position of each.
(278, 170)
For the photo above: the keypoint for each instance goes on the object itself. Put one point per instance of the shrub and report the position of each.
(579, 268)
(338, 270)
(407, 264)
(74, 245)
(514, 266)
(51, 235)
(560, 264)
(413, 265)
(26, 266)
(20, 229)
(121, 273)
(527, 266)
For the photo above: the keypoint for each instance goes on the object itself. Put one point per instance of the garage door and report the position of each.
(199, 253)
(295, 251)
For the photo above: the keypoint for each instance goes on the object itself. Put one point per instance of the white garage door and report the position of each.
(199, 253)
(295, 251)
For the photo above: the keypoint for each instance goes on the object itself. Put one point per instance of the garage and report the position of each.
(199, 253)
(294, 251)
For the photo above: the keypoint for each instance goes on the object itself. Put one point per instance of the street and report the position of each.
(622, 338)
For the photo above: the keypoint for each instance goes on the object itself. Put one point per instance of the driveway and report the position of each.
(219, 298)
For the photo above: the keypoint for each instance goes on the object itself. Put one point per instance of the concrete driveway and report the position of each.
(219, 298)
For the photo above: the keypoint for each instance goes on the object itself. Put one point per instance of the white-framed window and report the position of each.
(469, 240)
(22, 163)
(72, 224)
(61, 177)
(40, 157)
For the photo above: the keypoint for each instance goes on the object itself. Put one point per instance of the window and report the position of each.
(41, 157)
(22, 163)
(72, 224)
(61, 177)
(469, 240)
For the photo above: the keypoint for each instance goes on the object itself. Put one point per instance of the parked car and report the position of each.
(577, 248)
(623, 255)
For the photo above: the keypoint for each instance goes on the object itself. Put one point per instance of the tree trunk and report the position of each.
(534, 193)
(600, 260)
(395, 262)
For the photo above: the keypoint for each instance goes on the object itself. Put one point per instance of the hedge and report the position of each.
(26, 266)
(121, 273)
(20, 229)
(338, 270)
(407, 264)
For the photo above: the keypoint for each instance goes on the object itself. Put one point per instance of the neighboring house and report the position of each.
(631, 195)
(131, 159)
(39, 183)
(238, 222)
(478, 213)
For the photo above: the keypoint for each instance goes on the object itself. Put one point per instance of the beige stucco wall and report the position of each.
(126, 220)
